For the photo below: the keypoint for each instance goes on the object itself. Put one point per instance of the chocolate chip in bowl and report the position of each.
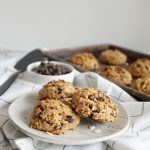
(43, 72)
(48, 68)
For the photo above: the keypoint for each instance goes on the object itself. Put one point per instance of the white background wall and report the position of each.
(28, 24)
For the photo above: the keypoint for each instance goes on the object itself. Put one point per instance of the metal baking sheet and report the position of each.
(63, 55)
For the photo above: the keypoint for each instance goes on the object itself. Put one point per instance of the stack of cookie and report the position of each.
(112, 64)
(61, 105)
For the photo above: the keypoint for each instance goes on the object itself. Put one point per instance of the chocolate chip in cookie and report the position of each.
(91, 103)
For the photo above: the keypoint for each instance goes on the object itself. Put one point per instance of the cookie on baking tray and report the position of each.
(117, 74)
(87, 61)
(143, 85)
(113, 57)
(91, 103)
(140, 68)
(54, 117)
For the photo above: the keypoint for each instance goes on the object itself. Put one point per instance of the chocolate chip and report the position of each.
(69, 118)
(62, 125)
(90, 106)
(47, 68)
(111, 114)
(91, 97)
(42, 109)
(42, 63)
(59, 90)
(100, 97)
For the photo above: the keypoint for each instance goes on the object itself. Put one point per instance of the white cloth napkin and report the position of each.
(137, 137)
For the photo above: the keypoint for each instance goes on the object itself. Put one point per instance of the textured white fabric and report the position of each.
(137, 137)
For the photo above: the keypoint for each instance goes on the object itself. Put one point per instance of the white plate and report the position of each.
(20, 110)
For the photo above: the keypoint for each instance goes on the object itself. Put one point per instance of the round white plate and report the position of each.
(21, 108)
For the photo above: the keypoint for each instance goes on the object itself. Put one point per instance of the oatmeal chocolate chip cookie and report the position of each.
(143, 85)
(56, 90)
(86, 61)
(91, 103)
(113, 57)
(140, 68)
(117, 74)
(53, 117)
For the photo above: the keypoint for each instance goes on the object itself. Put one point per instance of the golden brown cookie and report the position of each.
(117, 74)
(86, 61)
(91, 103)
(113, 57)
(53, 117)
(143, 85)
(57, 90)
(140, 68)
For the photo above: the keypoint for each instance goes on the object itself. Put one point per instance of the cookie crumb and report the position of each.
(91, 128)
(48, 133)
(97, 130)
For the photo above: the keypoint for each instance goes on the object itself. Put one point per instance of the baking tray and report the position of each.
(63, 55)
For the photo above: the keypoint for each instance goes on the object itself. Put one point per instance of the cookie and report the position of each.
(117, 74)
(53, 116)
(86, 61)
(91, 103)
(113, 57)
(140, 68)
(57, 90)
(143, 85)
